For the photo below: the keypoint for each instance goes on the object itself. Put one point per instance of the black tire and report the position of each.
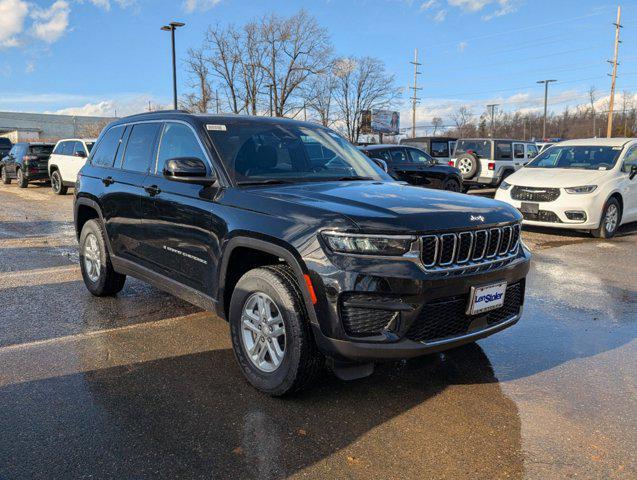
(452, 185)
(56, 183)
(469, 165)
(22, 181)
(465, 188)
(603, 231)
(108, 282)
(505, 175)
(302, 362)
(5, 176)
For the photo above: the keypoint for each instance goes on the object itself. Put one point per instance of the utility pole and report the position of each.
(618, 26)
(491, 109)
(171, 28)
(415, 88)
(270, 86)
(217, 100)
(546, 101)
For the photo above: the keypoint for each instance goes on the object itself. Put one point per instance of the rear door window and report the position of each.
(140, 147)
(79, 148)
(518, 150)
(398, 155)
(418, 156)
(105, 151)
(503, 151)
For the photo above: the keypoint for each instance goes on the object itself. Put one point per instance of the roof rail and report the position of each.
(154, 112)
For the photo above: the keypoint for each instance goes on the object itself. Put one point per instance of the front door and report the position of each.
(181, 228)
(628, 187)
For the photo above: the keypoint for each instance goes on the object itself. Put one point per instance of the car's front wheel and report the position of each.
(95, 262)
(5, 176)
(611, 217)
(22, 180)
(271, 334)
(452, 185)
(56, 183)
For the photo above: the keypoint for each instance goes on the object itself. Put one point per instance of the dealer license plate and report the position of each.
(486, 298)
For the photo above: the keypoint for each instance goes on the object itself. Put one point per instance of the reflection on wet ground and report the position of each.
(145, 386)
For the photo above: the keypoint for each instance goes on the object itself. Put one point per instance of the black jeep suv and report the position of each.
(26, 162)
(303, 244)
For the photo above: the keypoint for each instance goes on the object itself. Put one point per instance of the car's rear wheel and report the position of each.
(452, 185)
(5, 176)
(95, 262)
(56, 183)
(271, 334)
(611, 217)
(468, 164)
(22, 181)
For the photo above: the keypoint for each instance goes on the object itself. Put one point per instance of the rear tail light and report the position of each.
(491, 165)
(451, 163)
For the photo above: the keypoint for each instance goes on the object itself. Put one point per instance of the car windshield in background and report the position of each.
(255, 152)
(577, 157)
(41, 149)
(480, 147)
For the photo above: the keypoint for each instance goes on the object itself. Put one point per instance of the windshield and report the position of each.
(260, 152)
(577, 157)
(480, 147)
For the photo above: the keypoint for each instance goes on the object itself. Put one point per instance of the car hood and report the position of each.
(555, 177)
(383, 206)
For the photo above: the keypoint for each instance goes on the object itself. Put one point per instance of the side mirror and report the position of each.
(381, 163)
(188, 170)
(80, 154)
(633, 171)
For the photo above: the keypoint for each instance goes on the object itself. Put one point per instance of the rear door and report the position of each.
(182, 229)
(76, 161)
(10, 160)
(519, 155)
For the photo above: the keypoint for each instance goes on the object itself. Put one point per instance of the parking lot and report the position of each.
(145, 386)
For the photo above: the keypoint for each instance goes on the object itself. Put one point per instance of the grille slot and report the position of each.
(472, 248)
(361, 321)
(542, 216)
(535, 194)
(446, 317)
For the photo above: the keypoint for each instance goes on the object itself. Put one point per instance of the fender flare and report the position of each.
(88, 202)
(273, 247)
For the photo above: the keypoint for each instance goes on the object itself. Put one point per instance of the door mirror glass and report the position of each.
(381, 163)
(188, 170)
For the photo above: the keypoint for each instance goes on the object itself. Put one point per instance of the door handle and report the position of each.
(108, 181)
(153, 190)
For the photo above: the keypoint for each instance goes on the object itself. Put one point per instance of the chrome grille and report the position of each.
(472, 248)
(535, 194)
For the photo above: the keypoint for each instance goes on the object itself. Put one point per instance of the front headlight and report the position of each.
(504, 185)
(354, 243)
(582, 189)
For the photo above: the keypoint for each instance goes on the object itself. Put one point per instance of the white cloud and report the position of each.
(51, 23)
(12, 15)
(104, 4)
(30, 67)
(503, 7)
(428, 5)
(462, 46)
(121, 107)
(440, 16)
(191, 6)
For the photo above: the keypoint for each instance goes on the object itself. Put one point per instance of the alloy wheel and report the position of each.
(612, 218)
(465, 165)
(55, 182)
(263, 332)
(92, 258)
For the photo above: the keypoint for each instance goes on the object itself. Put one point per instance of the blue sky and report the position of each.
(95, 56)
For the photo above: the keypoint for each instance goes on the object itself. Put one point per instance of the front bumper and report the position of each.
(415, 293)
(587, 203)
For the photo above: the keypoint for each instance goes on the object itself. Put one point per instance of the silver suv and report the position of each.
(487, 161)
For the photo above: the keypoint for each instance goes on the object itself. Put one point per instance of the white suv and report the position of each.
(487, 161)
(579, 184)
(68, 157)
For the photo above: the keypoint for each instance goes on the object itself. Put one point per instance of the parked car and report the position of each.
(26, 162)
(412, 165)
(440, 148)
(5, 147)
(308, 255)
(68, 157)
(581, 184)
(486, 161)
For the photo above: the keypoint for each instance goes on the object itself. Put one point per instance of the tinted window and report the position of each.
(531, 151)
(104, 153)
(502, 150)
(5, 142)
(439, 149)
(89, 145)
(79, 148)
(630, 159)
(58, 148)
(577, 157)
(140, 147)
(178, 140)
(418, 156)
(41, 149)
(482, 148)
(398, 155)
(518, 150)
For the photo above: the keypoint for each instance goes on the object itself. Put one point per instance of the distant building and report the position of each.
(21, 127)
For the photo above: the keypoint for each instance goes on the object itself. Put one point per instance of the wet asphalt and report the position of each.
(145, 385)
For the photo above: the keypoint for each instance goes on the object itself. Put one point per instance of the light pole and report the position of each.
(270, 86)
(171, 28)
(546, 98)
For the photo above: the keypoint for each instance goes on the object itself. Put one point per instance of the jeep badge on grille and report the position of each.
(477, 218)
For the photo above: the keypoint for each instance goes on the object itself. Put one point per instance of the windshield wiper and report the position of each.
(354, 177)
(270, 181)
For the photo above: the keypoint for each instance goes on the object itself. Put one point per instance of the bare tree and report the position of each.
(361, 84)
(295, 49)
(93, 130)
(319, 96)
(197, 65)
(462, 118)
(224, 59)
(252, 51)
(436, 123)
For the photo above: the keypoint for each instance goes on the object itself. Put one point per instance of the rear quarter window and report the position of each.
(105, 151)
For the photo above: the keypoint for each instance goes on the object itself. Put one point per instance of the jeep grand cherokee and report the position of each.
(307, 248)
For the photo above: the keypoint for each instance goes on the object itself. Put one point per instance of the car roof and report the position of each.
(597, 142)
(498, 139)
(77, 140)
(384, 145)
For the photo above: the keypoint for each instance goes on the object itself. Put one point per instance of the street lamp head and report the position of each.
(166, 28)
(172, 26)
(177, 24)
